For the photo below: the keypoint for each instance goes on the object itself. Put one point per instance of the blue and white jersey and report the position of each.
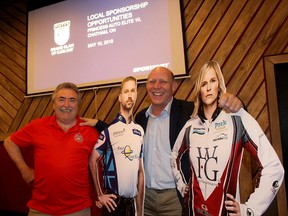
(121, 146)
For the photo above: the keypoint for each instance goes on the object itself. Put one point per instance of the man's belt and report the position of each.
(125, 201)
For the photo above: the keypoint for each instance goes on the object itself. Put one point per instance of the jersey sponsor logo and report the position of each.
(204, 207)
(119, 133)
(136, 132)
(78, 138)
(203, 211)
(200, 131)
(221, 136)
(207, 157)
(127, 152)
(220, 125)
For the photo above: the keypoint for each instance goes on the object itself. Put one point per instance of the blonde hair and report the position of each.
(196, 94)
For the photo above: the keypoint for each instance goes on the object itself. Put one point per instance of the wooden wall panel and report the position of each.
(238, 34)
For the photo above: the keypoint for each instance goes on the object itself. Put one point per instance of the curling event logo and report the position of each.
(61, 37)
(62, 32)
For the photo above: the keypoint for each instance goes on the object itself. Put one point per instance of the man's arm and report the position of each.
(140, 187)
(96, 123)
(230, 103)
(16, 155)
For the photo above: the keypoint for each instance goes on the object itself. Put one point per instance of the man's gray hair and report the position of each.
(67, 85)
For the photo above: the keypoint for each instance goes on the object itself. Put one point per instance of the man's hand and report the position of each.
(232, 206)
(107, 200)
(98, 204)
(186, 190)
(88, 122)
(28, 175)
(230, 103)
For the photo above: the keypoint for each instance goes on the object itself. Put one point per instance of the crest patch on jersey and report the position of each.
(78, 138)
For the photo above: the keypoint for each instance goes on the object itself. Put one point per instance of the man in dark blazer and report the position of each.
(180, 113)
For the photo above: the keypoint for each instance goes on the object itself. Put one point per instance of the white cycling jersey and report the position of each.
(121, 145)
(215, 151)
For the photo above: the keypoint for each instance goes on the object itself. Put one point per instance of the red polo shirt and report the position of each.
(62, 182)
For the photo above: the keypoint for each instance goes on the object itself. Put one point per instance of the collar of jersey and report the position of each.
(202, 116)
(121, 118)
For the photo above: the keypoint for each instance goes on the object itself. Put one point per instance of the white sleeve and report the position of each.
(176, 163)
(272, 173)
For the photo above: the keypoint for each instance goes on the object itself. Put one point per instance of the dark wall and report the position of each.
(281, 79)
(15, 193)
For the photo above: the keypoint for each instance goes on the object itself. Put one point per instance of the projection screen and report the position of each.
(97, 43)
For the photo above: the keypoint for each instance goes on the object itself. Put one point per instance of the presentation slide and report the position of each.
(95, 43)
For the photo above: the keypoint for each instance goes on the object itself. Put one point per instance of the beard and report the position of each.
(128, 105)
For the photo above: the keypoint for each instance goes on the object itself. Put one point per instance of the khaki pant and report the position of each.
(162, 203)
(84, 212)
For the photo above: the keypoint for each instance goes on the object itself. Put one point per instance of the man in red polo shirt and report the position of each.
(60, 179)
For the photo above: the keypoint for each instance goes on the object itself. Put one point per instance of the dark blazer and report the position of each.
(180, 113)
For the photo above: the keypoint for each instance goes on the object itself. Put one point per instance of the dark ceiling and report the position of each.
(34, 4)
(31, 4)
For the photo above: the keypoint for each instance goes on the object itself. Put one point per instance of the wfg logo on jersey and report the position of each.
(62, 32)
